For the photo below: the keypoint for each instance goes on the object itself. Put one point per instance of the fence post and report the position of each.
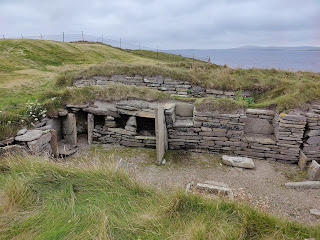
(82, 36)
(139, 46)
(62, 36)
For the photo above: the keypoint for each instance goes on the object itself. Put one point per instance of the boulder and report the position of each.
(242, 162)
(29, 136)
(313, 171)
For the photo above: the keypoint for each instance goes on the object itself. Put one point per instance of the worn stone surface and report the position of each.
(69, 128)
(184, 109)
(315, 212)
(313, 171)
(90, 128)
(54, 143)
(22, 131)
(56, 124)
(38, 145)
(302, 160)
(161, 134)
(305, 184)
(11, 149)
(6, 142)
(30, 135)
(213, 188)
(242, 162)
(258, 126)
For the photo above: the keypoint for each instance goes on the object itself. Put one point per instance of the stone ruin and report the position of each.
(256, 133)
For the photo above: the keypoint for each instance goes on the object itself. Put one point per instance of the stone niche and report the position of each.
(258, 122)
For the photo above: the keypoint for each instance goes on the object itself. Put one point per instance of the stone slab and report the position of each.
(161, 134)
(313, 171)
(242, 162)
(184, 109)
(305, 184)
(30, 135)
(302, 160)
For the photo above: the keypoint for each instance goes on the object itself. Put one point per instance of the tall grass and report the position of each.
(88, 198)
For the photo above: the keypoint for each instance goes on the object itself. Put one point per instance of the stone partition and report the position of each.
(165, 84)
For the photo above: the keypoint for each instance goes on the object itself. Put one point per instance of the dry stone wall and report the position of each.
(164, 84)
(256, 133)
(311, 145)
(229, 133)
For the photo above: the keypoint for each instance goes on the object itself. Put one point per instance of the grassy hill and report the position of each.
(38, 70)
(87, 198)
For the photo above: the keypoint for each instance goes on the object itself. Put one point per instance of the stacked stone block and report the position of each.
(165, 84)
(289, 130)
(311, 146)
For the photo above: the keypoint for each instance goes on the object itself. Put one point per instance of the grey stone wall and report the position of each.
(165, 84)
(229, 133)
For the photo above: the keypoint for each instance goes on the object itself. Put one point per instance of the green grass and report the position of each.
(37, 69)
(220, 105)
(87, 198)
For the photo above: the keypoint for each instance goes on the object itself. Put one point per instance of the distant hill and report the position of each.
(298, 48)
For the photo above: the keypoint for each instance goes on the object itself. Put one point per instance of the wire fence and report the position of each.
(112, 41)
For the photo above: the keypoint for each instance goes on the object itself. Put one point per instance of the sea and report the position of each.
(292, 60)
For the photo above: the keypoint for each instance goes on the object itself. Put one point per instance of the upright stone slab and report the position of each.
(302, 160)
(54, 143)
(314, 171)
(69, 128)
(161, 133)
(90, 128)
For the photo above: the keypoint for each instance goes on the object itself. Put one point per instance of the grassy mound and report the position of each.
(220, 105)
(39, 70)
(88, 198)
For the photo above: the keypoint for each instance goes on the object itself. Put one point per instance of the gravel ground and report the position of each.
(266, 180)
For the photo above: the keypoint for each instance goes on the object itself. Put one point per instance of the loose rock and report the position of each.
(242, 162)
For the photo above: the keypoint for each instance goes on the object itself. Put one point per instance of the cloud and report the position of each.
(170, 24)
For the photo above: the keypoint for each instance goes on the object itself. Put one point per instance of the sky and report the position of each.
(170, 24)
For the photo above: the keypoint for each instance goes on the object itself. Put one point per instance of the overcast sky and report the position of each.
(170, 24)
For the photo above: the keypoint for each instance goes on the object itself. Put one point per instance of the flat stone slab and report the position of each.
(213, 188)
(305, 184)
(259, 139)
(242, 162)
(30, 135)
(183, 123)
(315, 212)
(22, 131)
(219, 184)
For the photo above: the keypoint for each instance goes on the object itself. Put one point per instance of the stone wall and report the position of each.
(165, 84)
(237, 133)
(311, 145)
(256, 133)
